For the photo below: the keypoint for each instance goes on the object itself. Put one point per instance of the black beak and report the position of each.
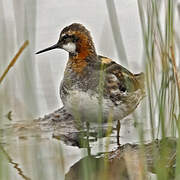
(49, 48)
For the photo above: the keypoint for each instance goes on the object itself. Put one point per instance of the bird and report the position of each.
(94, 86)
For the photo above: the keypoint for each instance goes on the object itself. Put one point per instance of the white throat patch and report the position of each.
(70, 47)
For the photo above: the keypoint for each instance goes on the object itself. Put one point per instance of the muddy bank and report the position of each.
(128, 162)
(67, 129)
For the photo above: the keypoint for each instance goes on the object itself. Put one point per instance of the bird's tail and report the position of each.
(140, 77)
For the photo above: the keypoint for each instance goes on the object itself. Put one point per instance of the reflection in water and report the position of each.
(119, 162)
(15, 165)
(38, 154)
(126, 162)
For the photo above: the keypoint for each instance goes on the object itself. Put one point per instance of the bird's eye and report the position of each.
(65, 37)
(69, 38)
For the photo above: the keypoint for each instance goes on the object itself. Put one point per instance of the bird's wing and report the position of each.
(118, 77)
(120, 85)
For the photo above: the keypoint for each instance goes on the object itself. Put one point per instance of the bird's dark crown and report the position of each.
(75, 28)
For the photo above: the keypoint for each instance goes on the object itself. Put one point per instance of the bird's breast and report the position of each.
(89, 106)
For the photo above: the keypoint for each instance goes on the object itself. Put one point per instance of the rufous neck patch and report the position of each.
(84, 48)
(77, 64)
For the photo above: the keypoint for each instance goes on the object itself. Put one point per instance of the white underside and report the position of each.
(86, 107)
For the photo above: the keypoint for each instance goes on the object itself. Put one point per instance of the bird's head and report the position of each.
(76, 40)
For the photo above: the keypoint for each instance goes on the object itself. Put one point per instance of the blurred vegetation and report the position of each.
(162, 76)
(161, 55)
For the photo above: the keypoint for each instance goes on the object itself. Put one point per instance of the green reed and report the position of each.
(161, 74)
